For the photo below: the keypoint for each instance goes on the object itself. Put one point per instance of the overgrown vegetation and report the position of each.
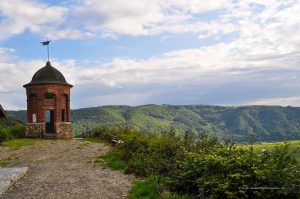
(294, 147)
(11, 129)
(198, 166)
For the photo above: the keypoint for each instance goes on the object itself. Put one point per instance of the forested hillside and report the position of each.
(265, 123)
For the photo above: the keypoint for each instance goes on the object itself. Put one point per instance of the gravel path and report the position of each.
(65, 169)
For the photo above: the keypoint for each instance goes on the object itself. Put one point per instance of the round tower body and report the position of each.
(48, 104)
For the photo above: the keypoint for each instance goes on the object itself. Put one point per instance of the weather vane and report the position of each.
(46, 43)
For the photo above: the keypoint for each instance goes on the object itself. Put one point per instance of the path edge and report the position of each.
(5, 184)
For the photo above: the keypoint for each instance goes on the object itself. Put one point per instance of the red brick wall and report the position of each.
(37, 104)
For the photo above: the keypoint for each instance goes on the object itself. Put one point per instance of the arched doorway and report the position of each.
(49, 120)
(49, 112)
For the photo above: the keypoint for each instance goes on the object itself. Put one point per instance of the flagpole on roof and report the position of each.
(48, 51)
(46, 43)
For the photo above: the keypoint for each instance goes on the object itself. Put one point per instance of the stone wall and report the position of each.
(35, 130)
(63, 130)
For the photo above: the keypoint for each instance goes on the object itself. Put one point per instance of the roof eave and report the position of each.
(39, 83)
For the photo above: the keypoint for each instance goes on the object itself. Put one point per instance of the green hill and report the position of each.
(9, 122)
(265, 123)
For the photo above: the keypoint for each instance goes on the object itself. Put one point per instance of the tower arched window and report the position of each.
(49, 96)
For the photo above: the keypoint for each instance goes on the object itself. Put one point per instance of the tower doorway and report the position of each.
(49, 118)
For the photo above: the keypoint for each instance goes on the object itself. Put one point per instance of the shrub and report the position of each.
(16, 131)
(152, 154)
(3, 135)
(205, 168)
(232, 172)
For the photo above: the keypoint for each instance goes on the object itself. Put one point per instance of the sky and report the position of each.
(118, 52)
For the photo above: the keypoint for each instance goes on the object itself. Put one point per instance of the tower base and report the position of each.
(38, 130)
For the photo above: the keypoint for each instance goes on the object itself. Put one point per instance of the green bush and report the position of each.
(152, 154)
(205, 168)
(17, 131)
(3, 135)
(232, 172)
(8, 133)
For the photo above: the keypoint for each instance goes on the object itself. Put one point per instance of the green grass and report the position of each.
(293, 144)
(114, 161)
(19, 143)
(152, 187)
(148, 188)
(5, 161)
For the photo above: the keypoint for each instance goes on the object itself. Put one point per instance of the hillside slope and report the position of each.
(266, 123)
(10, 122)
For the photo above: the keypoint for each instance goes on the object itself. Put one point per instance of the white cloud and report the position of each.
(84, 19)
(259, 65)
(6, 53)
(201, 75)
(195, 6)
(19, 15)
(123, 17)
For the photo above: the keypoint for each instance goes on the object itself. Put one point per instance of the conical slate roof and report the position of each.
(48, 75)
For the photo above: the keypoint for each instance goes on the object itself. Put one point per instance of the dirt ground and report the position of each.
(65, 169)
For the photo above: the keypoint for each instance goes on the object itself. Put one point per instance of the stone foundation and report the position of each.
(37, 130)
(63, 130)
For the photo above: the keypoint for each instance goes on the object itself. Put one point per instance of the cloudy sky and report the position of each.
(222, 52)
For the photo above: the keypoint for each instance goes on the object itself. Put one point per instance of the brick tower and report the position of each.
(48, 104)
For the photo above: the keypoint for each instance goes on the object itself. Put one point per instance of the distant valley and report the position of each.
(265, 123)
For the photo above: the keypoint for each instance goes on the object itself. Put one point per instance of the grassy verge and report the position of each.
(114, 161)
(152, 187)
(5, 161)
(18, 143)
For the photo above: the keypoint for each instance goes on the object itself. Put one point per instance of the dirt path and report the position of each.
(64, 169)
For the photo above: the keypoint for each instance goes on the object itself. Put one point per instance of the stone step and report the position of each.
(9, 176)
